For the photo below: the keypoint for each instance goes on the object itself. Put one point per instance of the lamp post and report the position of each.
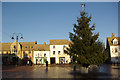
(17, 35)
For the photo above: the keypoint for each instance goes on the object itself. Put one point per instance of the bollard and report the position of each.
(74, 68)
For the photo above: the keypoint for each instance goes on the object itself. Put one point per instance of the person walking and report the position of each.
(46, 63)
(30, 62)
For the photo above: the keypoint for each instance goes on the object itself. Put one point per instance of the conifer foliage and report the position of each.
(85, 48)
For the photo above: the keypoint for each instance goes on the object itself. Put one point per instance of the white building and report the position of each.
(41, 53)
(57, 54)
(53, 52)
(113, 45)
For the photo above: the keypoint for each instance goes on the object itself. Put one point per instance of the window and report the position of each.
(14, 47)
(14, 51)
(112, 50)
(58, 52)
(115, 41)
(116, 50)
(29, 51)
(36, 55)
(23, 52)
(44, 55)
(53, 52)
(53, 46)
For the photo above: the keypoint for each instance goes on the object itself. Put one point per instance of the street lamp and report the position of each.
(21, 37)
(17, 35)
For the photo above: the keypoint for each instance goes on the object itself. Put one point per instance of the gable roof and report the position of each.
(110, 40)
(59, 42)
(41, 47)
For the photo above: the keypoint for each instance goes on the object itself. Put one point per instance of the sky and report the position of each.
(43, 21)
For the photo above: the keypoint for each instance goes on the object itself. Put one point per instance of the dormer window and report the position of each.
(115, 41)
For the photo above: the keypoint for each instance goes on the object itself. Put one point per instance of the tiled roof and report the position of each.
(26, 46)
(41, 47)
(59, 42)
(5, 46)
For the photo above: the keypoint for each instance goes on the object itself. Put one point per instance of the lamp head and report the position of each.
(21, 38)
(12, 37)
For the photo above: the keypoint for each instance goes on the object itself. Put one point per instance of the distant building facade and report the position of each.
(17, 52)
(38, 53)
(113, 45)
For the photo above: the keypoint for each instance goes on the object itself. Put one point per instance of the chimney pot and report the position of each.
(44, 43)
(113, 35)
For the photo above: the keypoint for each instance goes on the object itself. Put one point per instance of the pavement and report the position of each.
(58, 71)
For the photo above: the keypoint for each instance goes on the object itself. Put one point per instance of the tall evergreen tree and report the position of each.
(85, 48)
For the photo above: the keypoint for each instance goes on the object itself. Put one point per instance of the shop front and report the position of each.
(61, 60)
(40, 60)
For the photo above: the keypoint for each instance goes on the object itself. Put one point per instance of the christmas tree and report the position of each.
(85, 48)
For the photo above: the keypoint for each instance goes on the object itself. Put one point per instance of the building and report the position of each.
(57, 54)
(20, 52)
(17, 52)
(41, 53)
(53, 52)
(113, 45)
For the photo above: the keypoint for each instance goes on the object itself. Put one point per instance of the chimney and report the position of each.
(35, 42)
(113, 35)
(44, 43)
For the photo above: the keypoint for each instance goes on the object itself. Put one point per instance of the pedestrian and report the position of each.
(46, 63)
(30, 63)
(46, 69)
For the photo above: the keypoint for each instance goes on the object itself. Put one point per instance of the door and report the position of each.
(61, 60)
(52, 60)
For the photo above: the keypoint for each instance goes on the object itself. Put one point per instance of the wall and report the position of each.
(61, 54)
(41, 54)
(115, 56)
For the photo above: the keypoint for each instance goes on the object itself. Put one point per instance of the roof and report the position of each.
(26, 46)
(59, 42)
(110, 40)
(5, 46)
(41, 47)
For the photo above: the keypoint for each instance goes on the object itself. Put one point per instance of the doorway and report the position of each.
(52, 60)
(61, 60)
